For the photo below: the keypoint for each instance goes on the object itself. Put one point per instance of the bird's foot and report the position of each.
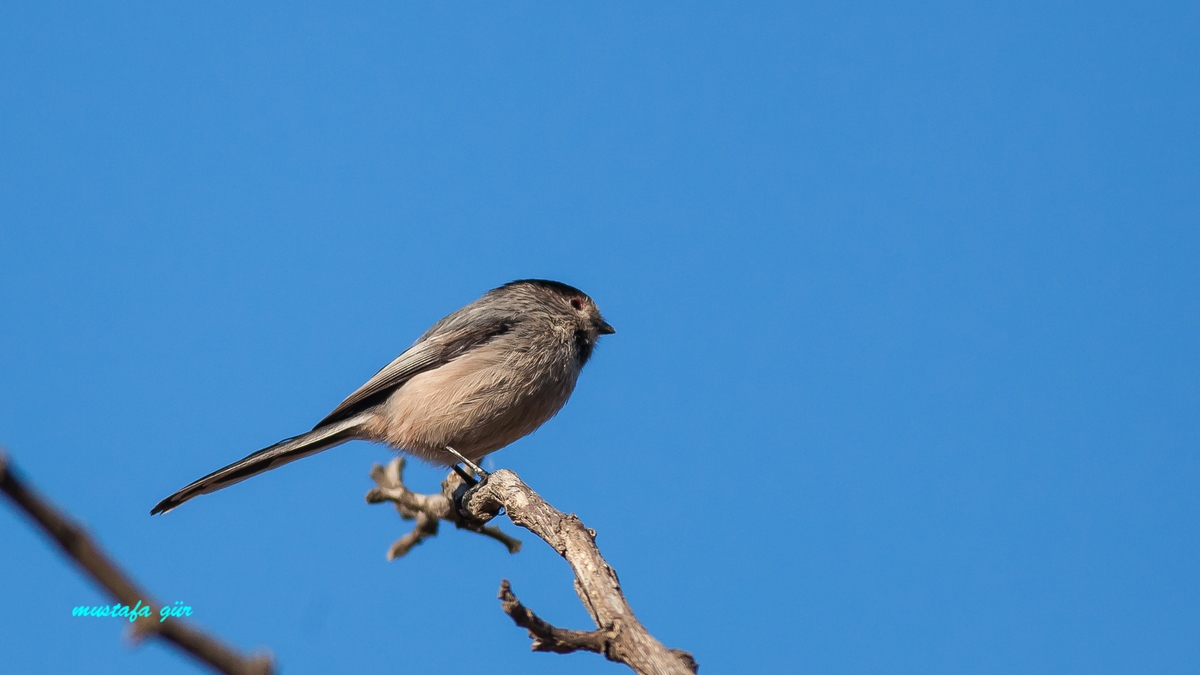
(475, 468)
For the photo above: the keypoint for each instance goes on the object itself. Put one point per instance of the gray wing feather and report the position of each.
(443, 343)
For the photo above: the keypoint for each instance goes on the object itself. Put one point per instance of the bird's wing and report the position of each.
(428, 353)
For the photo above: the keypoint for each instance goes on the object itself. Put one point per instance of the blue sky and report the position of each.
(907, 300)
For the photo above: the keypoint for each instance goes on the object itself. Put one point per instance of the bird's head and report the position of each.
(569, 307)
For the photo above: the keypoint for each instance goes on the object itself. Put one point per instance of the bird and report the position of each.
(480, 378)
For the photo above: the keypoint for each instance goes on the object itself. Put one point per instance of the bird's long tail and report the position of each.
(288, 450)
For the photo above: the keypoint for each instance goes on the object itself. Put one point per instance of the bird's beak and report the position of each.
(605, 329)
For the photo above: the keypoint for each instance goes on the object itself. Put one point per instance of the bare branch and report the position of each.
(427, 510)
(619, 635)
(77, 545)
(547, 638)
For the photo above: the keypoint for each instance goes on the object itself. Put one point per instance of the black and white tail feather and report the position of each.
(287, 450)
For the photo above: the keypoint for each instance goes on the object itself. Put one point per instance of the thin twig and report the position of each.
(77, 545)
(427, 510)
(547, 638)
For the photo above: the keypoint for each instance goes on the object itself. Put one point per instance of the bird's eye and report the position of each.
(576, 303)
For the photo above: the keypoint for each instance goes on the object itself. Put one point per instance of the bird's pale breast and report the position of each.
(477, 404)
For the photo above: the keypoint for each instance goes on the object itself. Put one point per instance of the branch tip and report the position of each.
(427, 509)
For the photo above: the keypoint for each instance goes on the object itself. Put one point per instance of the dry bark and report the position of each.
(427, 510)
(618, 634)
